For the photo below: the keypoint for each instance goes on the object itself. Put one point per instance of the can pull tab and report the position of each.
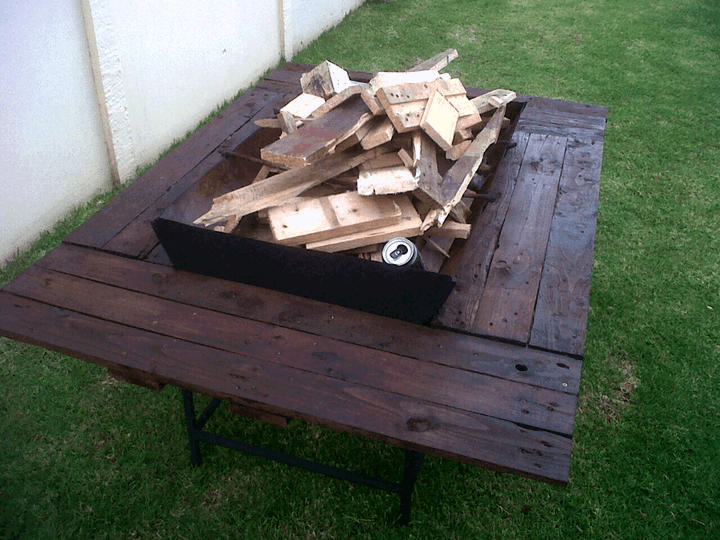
(398, 252)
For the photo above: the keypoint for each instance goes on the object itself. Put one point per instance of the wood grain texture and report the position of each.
(275, 190)
(408, 226)
(439, 120)
(507, 304)
(562, 305)
(545, 117)
(536, 368)
(315, 140)
(329, 401)
(471, 392)
(471, 265)
(437, 62)
(320, 218)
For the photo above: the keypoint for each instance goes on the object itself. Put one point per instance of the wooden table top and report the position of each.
(494, 382)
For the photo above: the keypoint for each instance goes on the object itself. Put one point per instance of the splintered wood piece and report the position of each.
(403, 93)
(231, 224)
(316, 139)
(317, 219)
(464, 106)
(416, 146)
(372, 102)
(439, 120)
(277, 189)
(461, 211)
(262, 174)
(452, 229)
(391, 78)
(408, 227)
(325, 80)
(303, 105)
(435, 251)
(357, 136)
(287, 122)
(406, 116)
(437, 62)
(406, 158)
(492, 100)
(461, 135)
(459, 175)
(391, 159)
(386, 181)
(470, 122)
(457, 151)
(405, 103)
(337, 99)
(427, 170)
(379, 134)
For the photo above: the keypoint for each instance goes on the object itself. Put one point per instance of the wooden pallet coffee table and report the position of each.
(493, 383)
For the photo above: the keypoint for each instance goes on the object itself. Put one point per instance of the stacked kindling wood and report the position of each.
(359, 164)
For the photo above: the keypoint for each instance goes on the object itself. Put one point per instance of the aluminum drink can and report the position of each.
(401, 252)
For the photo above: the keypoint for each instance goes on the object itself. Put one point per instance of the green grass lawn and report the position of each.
(83, 456)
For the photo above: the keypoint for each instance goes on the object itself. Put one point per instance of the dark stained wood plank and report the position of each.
(535, 368)
(562, 306)
(331, 402)
(259, 414)
(133, 376)
(564, 124)
(570, 107)
(508, 400)
(158, 255)
(277, 86)
(507, 304)
(110, 220)
(471, 264)
(213, 176)
(289, 73)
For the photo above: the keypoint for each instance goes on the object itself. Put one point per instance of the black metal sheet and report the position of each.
(408, 294)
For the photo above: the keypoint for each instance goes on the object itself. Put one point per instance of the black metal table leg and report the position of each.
(413, 464)
(196, 435)
(195, 425)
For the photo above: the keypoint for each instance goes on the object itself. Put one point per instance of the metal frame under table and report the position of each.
(493, 382)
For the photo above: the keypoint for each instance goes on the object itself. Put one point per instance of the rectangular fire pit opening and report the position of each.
(248, 254)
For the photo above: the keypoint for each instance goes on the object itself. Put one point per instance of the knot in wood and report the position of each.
(419, 424)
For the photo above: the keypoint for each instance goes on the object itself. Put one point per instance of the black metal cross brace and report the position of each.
(196, 435)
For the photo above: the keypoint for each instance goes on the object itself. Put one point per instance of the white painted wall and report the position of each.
(52, 151)
(180, 63)
(312, 17)
(91, 90)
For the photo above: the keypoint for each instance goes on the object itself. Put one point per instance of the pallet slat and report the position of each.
(562, 306)
(507, 304)
(331, 402)
(541, 409)
(451, 349)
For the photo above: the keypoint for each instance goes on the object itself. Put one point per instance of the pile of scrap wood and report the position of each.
(359, 164)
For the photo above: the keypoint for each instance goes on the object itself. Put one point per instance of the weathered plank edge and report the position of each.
(507, 304)
(471, 264)
(421, 426)
(561, 319)
(541, 408)
(542, 369)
